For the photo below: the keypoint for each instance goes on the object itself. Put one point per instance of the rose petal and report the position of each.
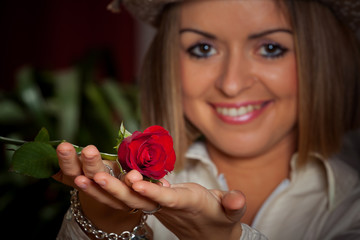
(150, 152)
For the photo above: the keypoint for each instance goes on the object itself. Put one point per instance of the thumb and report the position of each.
(234, 204)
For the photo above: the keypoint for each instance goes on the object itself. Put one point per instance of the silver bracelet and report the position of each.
(138, 233)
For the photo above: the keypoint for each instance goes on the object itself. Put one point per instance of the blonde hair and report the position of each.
(160, 86)
(327, 60)
(328, 72)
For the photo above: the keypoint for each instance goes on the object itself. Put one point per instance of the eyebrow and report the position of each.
(252, 36)
(267, 32)
(205, 34)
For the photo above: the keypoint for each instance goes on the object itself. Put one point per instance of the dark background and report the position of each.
(42, 41)
(55, 34)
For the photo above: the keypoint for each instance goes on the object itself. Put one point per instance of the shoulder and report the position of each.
(344, 217)
(345, 179)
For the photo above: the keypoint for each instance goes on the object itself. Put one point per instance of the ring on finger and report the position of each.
(158, 208)
(111, 171)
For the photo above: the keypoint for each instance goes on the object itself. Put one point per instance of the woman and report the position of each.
(258, 94)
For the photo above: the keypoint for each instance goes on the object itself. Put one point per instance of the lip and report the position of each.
(243, 119)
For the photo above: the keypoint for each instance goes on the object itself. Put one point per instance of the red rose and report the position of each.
(151, 152)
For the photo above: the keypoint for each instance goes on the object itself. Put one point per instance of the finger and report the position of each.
(135, 176)
(132, 177)
(177, 196)
(93, 190)
(67, 180)
(68, 160)
(91, 161)
(234, 203)
(164, 182)
(119, 190)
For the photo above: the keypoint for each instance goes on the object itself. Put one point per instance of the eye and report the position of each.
(202, 50)
(272, 50)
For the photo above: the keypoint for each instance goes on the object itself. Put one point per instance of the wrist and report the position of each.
(107, 218)
(94, 231)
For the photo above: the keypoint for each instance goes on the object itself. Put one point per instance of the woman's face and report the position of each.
(238, 73)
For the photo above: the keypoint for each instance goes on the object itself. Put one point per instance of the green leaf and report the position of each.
(35, 159)
(123, 133)
(43, 136)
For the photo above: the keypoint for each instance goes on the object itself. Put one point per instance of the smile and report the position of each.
(240, 113)
(235, 112)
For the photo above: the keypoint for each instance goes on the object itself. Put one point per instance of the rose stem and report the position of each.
(105, 156)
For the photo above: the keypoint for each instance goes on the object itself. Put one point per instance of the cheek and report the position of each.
(196, 78)
(282, 80)
(292, 81)
(290, 73)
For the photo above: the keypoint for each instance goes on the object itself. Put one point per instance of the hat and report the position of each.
(149, 10)
(145, 10)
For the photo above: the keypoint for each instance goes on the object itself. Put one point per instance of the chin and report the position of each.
(232, 150)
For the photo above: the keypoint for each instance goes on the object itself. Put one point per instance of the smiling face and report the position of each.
(238, 74)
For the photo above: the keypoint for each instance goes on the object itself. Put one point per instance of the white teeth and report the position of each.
(234, 112)
(225, 111)
(242, 111)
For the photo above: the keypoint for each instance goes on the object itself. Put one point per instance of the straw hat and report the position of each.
(149, 10)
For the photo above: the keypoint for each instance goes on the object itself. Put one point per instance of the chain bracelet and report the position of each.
(138, 233)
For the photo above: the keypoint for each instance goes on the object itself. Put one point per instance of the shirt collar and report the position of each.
(318, 166)
(198, 152)
(341, 178)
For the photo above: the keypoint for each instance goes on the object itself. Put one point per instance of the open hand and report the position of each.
(193, 212)
(89, 175)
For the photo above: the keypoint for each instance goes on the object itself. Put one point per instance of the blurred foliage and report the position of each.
(73, 105)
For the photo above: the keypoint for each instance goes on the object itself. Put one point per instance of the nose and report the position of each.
(236, 75)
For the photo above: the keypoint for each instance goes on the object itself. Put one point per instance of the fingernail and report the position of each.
(64, 153)
(102, 183)
(139, 190)
(82, 186)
